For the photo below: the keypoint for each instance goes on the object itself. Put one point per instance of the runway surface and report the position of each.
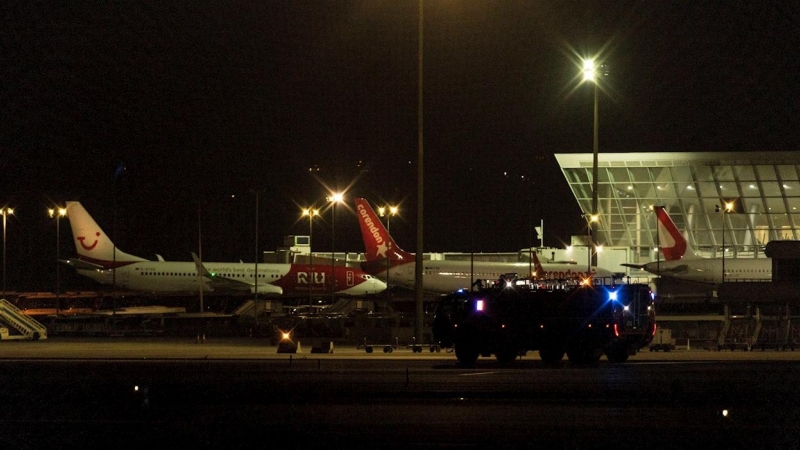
(157, 393)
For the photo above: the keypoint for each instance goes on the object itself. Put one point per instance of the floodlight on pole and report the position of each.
(590, 75)
(5, 211)
(58, 213)
(726, 208)
(311, 213)
(334, 198)
(387, 211)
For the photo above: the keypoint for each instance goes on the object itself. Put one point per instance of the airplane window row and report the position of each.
(179, 274)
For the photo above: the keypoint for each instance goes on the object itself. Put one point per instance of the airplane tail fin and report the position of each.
(672, 243)
(538, 270)
(378, 244)
(91, 243)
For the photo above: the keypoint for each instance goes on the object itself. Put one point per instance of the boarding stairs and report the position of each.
(23, 323)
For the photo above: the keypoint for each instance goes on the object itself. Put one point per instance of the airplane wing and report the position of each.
(682, 269)
(635, 266)
(221, 283)
(81, 264)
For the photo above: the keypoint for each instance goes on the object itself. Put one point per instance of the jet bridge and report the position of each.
(23, 323)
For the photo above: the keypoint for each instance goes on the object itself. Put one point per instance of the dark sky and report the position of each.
(204, 103)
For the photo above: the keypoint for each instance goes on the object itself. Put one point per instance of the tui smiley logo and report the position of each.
(89, 247)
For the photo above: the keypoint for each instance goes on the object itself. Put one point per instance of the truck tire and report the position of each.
(506, 355)
(618, 354)
(551, 354)
(467, 352)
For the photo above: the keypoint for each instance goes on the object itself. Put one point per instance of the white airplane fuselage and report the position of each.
(443, 277)
(176, 276)
(710, 270)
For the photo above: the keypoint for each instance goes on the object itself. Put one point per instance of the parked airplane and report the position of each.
(446, 276)
(681, 261)
(100, 260)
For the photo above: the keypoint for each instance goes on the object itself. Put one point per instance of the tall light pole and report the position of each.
(592, 219)
(6, 211)
(590, 74)
(200, 251)
(310, 212)
(387, 211)
(335, 198)
(418, 298)
(726, 208)
(658, 242)
(255, 286)
(58, 213)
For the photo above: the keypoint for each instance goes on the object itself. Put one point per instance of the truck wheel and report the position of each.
(551, 355)
(467, 353)
(617, 354)
(506, 355)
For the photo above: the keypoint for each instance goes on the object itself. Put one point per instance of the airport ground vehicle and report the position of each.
(662, 340)
(511, 318)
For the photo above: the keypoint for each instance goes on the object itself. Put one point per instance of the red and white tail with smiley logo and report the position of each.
(92, 244)
(378, 244)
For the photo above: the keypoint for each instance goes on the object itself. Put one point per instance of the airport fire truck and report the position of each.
(513, 316)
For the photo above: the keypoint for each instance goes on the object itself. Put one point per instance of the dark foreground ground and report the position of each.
(93, 394)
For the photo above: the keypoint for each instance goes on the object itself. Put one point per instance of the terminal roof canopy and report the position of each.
(765, 188)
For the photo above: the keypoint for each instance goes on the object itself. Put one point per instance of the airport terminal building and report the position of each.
(764, 190)
(763, 187)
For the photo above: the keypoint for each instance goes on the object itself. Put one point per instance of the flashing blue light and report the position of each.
(612, 295)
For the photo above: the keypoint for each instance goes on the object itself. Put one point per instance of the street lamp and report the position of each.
(58, 213)
(590, 75)
(310, 212)
(726, 208)
(334, 199)
(5, 211)
(387, 211)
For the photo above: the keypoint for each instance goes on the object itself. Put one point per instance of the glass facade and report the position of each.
(763, 188)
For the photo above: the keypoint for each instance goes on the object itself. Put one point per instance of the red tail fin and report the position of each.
(671, 241)
(378, 244)
(538, 270)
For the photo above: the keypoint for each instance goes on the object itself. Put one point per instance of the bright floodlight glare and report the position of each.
(589, 70)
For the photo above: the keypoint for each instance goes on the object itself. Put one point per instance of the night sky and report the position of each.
(153, 114)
